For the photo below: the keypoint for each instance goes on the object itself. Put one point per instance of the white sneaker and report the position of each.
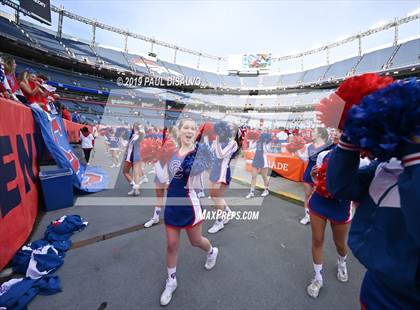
(250, 195)
(112, 166)
(211, 259)
(118, 165)
(305, 220)
(130, 193)
(342, 275)
(151, 222)
(314, 288)
(265, 193)
(201, 194)
(218, 225)
(167, 293)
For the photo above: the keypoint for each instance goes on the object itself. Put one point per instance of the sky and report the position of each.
(235, 27)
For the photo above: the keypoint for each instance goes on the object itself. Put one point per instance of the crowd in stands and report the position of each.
(31, 89)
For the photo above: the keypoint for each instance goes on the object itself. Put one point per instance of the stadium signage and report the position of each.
(20, 147)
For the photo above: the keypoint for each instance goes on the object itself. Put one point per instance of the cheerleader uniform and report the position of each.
(133, 150)
(182, 209)
(114, 144)
(260, 159)
(385, 231)
(312, 152)
(220, 171)
(337, 211)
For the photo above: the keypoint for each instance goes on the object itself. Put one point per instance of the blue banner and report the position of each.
(85, 178)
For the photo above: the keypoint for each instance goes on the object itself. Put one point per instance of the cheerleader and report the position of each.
(310, 154)
(324, 207)
(182, 209)
(225, 147)
(385, 232)
(133, 160)
(114, 148)
(260, 164)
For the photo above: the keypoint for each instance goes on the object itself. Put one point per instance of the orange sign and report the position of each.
(287, 165)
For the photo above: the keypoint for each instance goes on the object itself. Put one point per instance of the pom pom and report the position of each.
(321, 180)
(295, 144)
(252, 135)
(150, 150)
(223, 130)
(265, 137)
(166, 151)
(386, 119)
(332, 111)
(207, 129)
(199, 160)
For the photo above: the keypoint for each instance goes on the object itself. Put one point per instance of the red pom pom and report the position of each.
(332, 111)
(149, 149)
(295, 144)
(167, 150)
(321, 181)
(207, 129)
(252, 135)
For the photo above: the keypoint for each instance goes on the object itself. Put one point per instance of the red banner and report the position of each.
(287, 165)
(18, 177)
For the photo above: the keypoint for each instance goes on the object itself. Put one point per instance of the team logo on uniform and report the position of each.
(176, 169)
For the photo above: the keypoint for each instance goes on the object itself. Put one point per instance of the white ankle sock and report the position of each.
(341, 259)
(156, 213)
(172, 274)
(318, 269)
(227, 209)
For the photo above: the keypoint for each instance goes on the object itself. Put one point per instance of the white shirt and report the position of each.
(87, 141)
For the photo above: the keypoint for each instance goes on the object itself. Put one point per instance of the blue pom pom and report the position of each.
(199, 160)
(265, 137)
(223, 130)
(386, 118)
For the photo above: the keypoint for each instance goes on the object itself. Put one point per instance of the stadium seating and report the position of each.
(11, 30)
(374, 61)
(407, 54)
(81, 50)
(292, 79)
(112, 58)
(314, 75)
(341, 69)
(404, 55)
(45, 40)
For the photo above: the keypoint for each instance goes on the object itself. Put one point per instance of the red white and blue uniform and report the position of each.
(337, 211)
(312, 153)
(114, 143)
(133, 149)
(220, 170)
(385, 231)
(260, 159)
(182, 209)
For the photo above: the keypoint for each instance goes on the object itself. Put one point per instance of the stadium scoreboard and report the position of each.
(38, 9)
(250, 63)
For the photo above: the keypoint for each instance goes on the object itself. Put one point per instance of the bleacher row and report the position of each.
(403, 55)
